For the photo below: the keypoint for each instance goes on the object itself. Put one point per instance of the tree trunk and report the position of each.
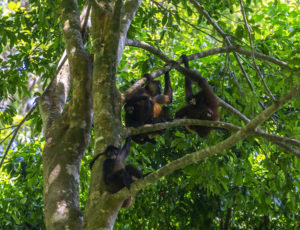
(66, 128)
(110, 24)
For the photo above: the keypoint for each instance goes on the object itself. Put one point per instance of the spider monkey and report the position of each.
(143, 106)
(202, 105)
(116, 174)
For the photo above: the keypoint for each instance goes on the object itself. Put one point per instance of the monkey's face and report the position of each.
(153, 88)
(129, 109)
(112, 151)
(192, 101)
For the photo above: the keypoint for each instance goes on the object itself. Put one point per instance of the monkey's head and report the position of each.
(111, 151)
(153, 87)
(129, 109)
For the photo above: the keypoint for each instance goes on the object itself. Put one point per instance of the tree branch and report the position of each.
(206, 53)
(80, 64)
(224, 35)
(247, 120)
(15, 134)
(253, 54)
(202, 154)
(185, 21)
(127, 15)
(179, 122)
(4, 139)
(54, 98)
(215, 124)
(51, 102)
(276, 138)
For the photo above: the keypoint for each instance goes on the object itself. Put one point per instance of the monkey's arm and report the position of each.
(133, 171)
(168, 87)
(162, 99)
(187, 81)
(167, 98)
(210, 97)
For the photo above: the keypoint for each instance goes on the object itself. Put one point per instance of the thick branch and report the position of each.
(180, 122)
(53, 100)
(61, 157)
(80, 63)
(71, 27)
(220, 147)
(216, 124)
(110, 23)
(206, 53)
(127, 15)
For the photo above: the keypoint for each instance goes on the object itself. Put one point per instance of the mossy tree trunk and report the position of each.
(110, 23)
(67, 126)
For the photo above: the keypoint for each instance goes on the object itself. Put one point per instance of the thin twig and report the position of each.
(185, 21)
(195, 157)
(7, 136)
(233, 75)
(253, 53)
(231, 109)
(225, 37)
(13, 126)
(246, 120)
(16, 131)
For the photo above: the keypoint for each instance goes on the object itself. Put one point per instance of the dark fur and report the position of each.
(203, 105)
(116, 174)
(111, 151)
(143, 106)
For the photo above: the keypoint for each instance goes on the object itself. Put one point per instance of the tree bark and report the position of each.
(66, 128)
(110, 24)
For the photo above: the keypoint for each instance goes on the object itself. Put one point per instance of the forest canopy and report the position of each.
(67, 71)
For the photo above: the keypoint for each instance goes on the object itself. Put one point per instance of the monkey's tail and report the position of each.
(94, 159)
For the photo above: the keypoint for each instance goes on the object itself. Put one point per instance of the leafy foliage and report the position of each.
(253, 183)
(21, 190)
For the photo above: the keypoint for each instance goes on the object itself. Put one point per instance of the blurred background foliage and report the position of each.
(254, 185)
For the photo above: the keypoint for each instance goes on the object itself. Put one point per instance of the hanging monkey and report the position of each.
(202, 105)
